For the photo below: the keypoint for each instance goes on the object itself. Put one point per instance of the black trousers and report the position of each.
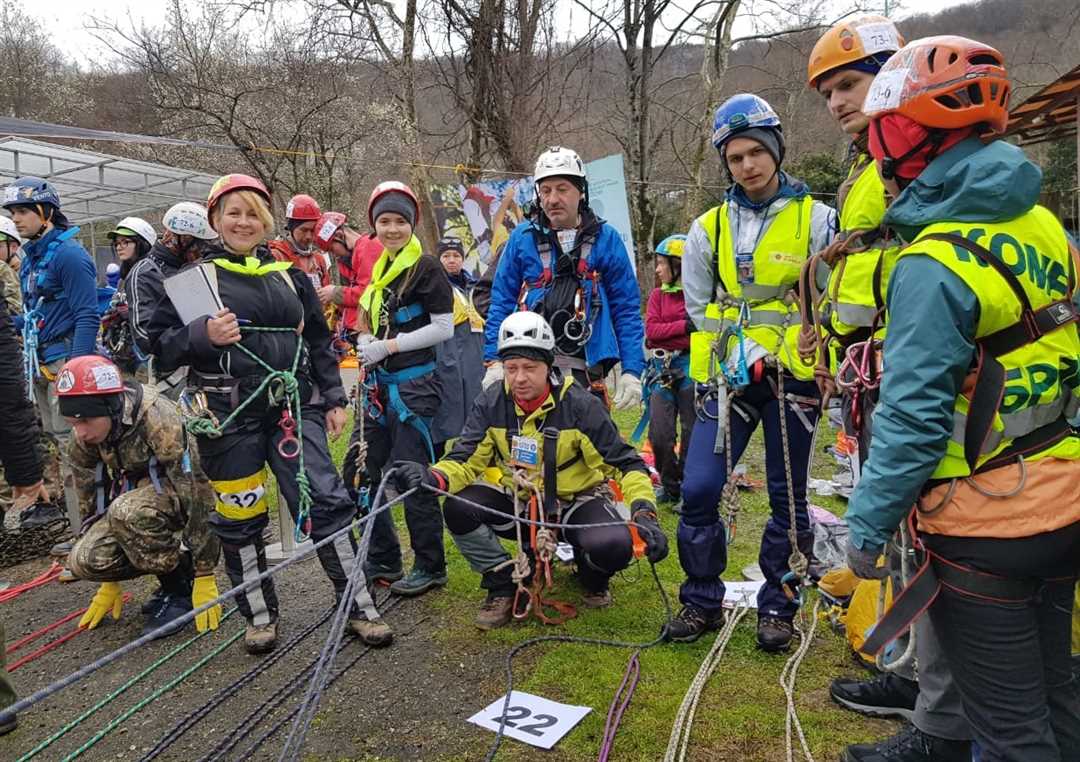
(19, 433)
(1011, 661)
(600, 552)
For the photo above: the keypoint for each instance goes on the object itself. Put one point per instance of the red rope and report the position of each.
(52, 643)
(44, 578)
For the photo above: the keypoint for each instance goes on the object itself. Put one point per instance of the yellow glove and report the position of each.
(108, 597)
(202, 592)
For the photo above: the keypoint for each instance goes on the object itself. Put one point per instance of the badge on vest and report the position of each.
(567, 239)
(744, 267)
(524, 452)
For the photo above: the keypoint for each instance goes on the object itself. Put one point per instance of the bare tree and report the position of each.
(31, 68)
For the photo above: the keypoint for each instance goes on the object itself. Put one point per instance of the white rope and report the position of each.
(684, 719)
(787, 682)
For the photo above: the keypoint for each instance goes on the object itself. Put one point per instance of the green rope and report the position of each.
(281, 387)
(108, 699)
(163, 689)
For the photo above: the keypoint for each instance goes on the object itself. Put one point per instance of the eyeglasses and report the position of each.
(123, 242)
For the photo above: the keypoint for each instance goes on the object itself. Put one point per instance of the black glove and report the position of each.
(409, 475)
(863, 561)
(643, 514)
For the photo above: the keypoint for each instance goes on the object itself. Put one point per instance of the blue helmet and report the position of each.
(30, 191)
(740, 113)
(672, 246)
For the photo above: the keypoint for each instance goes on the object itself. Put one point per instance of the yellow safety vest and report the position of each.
(1040, 376)
(465, 310)
(857, 289)
(774, 323)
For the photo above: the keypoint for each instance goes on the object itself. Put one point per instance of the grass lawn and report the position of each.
(741, 714)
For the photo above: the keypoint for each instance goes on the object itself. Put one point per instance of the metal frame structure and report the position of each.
(98, 186)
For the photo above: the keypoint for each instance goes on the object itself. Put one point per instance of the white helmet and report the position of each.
(189, 218)
(527, 330)
(558, 162)
(7, 227)
(136, 225)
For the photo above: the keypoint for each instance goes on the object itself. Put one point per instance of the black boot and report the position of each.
(887, 695)
(910, 745)
(692, 622)
(773, 634)
(38, 515)
(173, 599)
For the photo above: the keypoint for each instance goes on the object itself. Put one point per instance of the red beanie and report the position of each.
(894, 135)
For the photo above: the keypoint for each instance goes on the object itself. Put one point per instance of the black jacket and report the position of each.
(265, 300)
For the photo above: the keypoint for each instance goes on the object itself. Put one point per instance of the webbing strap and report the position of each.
(392, 381)
(551, 471)
(403, 315)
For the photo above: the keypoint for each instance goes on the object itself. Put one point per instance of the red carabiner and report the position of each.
(289, 446)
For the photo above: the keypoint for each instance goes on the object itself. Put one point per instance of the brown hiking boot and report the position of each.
(773, 634)
(372, 632)
(260, 639)
(600, 600)
(495, 612)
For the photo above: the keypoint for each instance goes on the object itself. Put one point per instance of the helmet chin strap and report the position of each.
(44, 222)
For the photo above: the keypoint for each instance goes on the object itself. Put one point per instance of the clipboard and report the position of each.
(194, 292)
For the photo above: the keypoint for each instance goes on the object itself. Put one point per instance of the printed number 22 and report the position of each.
(515, 713)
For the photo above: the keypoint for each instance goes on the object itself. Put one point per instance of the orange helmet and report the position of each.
(852, 41)
(89, 376)
(230, 183)
(945, 83)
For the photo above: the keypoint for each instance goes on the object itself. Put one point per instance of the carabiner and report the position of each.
(790, 584)
(522, 613)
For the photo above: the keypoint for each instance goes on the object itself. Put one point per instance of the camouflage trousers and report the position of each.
(139, 534)
(50, 461)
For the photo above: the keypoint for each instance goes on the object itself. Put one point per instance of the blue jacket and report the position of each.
(619, 332)
(932, 321)
(69, 314)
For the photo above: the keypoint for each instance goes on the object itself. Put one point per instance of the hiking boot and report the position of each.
(691, 623)
(260, 639)
(38, 515)
(372, 632)
(886, 696)
(597, 600)
(376, 573)
(495, 612)
(418, 582)
(169, 607)
(909, 745)
(154, 601)
(773, 634)
(62, 549)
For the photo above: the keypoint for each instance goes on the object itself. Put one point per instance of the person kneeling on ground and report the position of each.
(141, 493)
(508, 427)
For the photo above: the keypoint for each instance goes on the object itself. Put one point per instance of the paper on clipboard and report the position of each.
(194, 292)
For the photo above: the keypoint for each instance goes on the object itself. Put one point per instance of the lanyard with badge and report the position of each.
(744, 260)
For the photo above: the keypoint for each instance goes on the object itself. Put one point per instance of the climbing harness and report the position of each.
(907, 560)
(392, 381)
(282, 387)
(666, 373)
(679, 742)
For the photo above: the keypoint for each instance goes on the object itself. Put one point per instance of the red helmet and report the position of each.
(89, 376)
(230, 183)
(391, 186)
(302, 207)
(327, 227)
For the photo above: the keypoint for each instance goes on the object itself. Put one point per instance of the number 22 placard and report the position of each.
(532, 719)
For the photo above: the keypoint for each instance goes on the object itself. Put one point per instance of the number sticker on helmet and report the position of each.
(886, 91)
(878, 38)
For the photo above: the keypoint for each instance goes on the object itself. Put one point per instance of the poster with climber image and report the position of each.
(484, 214)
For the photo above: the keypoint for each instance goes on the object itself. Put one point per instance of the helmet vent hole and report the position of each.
(930, 59)
(984, 59)
(974, 93)
(952, 58)
(949, 102)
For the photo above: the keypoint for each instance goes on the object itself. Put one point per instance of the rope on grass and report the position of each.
(787, 682)
(684, 718)
(619, 704)
(116, 693)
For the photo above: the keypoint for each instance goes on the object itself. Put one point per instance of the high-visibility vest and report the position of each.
(774, 323)
(857, 290)
(1024, 382)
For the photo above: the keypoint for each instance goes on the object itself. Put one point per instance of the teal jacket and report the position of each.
(932, 321)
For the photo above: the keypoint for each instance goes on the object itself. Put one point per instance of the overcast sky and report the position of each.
(67, 18)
